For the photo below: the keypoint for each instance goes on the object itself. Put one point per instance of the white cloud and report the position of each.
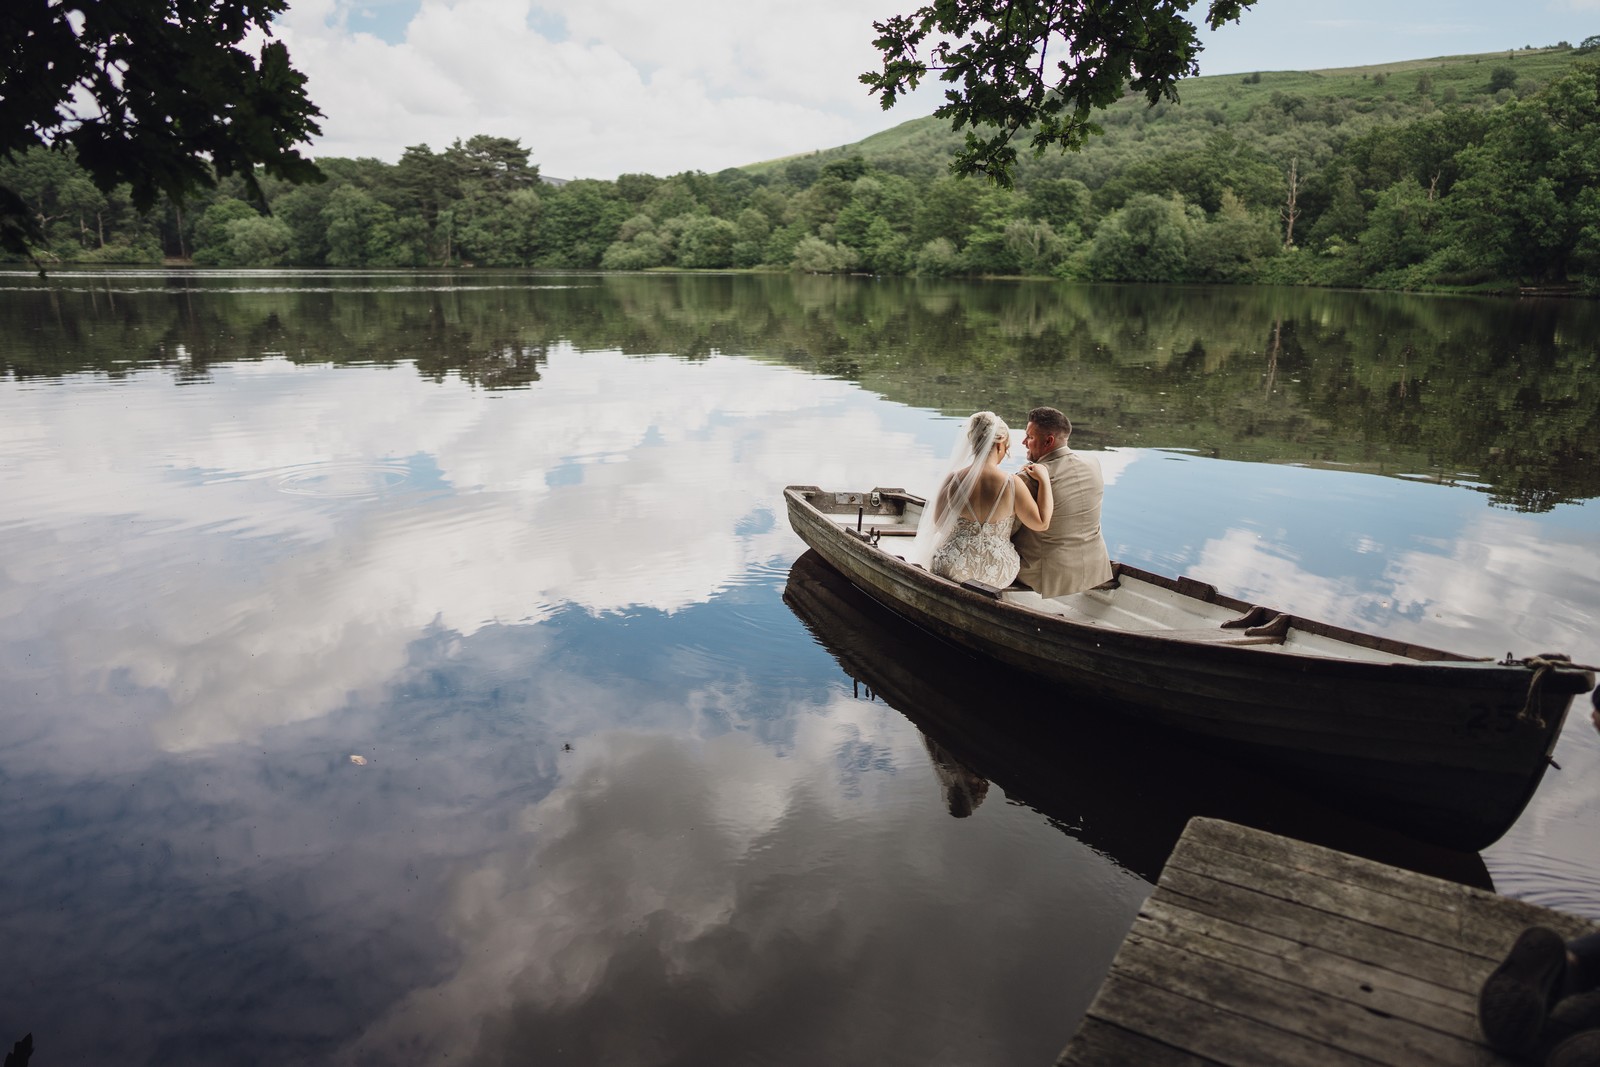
(616, 86)
(650, 88)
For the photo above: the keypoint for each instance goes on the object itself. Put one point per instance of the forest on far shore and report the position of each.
(1462, 172)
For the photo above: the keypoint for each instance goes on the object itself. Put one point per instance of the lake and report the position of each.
(412, 667)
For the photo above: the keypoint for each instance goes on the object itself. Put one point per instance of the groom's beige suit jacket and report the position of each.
(1070, 556)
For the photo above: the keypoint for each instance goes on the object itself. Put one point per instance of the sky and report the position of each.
(598, 88)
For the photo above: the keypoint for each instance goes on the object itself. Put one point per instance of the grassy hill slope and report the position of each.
(1306, 115)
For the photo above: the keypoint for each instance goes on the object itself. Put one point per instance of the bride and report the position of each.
(974, 507)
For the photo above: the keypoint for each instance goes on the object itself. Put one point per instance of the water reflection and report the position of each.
(521, 549)
(543, 860)
(710, 902)
(605, 777)
(963, 787)
(1493, 394)
(242, 602)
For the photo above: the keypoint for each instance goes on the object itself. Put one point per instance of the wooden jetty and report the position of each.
(1259, 949)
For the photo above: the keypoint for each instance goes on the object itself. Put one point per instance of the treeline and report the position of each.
(1441, 174)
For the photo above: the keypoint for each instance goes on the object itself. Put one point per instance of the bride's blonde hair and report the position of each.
(984, 428)
(968, 455)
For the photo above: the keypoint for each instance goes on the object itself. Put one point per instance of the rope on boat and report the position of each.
(1542, 666)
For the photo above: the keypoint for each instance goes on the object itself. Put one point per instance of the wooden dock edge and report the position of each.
(1260, 949)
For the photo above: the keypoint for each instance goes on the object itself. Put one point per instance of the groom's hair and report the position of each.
(1051, 421)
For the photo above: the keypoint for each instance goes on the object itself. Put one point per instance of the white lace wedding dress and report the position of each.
(980, 551)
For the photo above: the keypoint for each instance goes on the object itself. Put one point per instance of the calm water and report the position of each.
(399, 668)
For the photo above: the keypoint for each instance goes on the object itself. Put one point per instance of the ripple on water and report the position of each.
(1566, 883)
(342, 481)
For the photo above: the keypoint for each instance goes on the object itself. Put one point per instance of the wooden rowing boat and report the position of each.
(1442, 746)
(1125, 791)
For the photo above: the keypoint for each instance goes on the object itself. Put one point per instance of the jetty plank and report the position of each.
(1258, 949)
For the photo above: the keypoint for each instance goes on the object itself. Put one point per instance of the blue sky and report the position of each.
(598, 88)
(1307, 35)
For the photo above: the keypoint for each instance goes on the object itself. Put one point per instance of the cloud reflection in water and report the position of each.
(250, 608)
(712, 901)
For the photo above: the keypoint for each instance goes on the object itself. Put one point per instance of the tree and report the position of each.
(1291, 209)
(52, 190)
(487, 165)
(1200, 175)
(637, 246)
(401, 241)
(820, 204)
(154, 93)
(784, 240)
(1231, 245)
(753, 228)
(639, 252)
(1524, 204)
(353, 219)
(1345, 216)
(884, 250)
(257, 241)
(707, 242)
(496, 207)
(1401, 228)
(938, 258)
(1145, 241)
(425, 183)
(816, 256)
(948, 209)
(1045, 66)
(211, 235)
(577, 223)
(636, 188)
(669, 199)
(301, 210)
(1062, 202)
(1034, 246)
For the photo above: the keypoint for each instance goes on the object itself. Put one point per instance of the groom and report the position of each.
(1070, 556)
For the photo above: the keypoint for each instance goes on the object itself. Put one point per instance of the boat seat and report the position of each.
(1215, 637)
(1270, 634)
(1027, 598)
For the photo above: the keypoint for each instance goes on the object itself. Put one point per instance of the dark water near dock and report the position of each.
(401, 667)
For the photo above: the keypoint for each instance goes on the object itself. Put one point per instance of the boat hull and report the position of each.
(1440, 750)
